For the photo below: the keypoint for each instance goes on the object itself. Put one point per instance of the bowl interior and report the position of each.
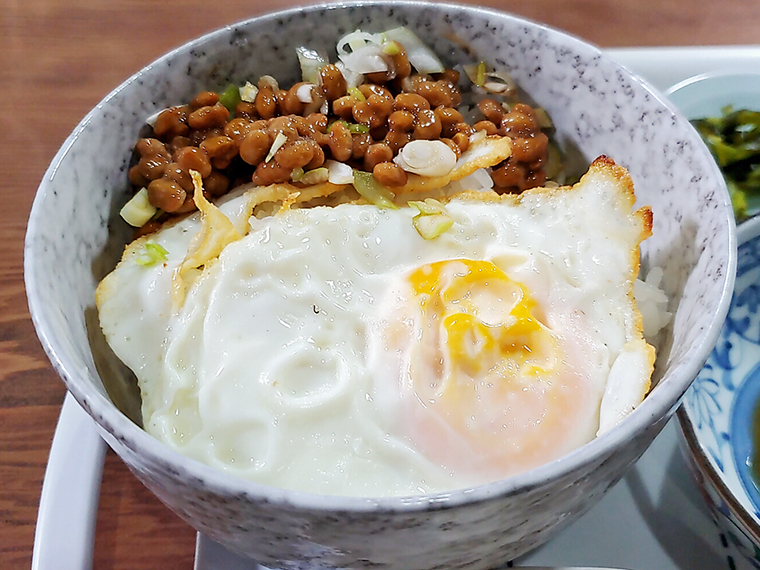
(75, 236)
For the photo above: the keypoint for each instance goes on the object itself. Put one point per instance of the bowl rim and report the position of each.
(690, 434)
(116, 425)
(719, 75)
(705, 467)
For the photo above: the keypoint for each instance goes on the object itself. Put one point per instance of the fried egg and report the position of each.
(333, 350)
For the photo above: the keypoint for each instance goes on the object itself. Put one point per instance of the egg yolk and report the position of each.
(487, 376)
(485, 321)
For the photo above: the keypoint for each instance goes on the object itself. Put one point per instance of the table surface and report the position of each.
(57, 61)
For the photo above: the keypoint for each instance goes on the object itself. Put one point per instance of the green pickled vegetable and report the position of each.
(734, 140)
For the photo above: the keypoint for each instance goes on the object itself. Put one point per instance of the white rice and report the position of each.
(652, 303)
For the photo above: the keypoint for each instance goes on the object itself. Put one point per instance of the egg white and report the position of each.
(299, 357)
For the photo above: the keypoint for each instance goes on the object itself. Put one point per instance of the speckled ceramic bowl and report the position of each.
(72, 242)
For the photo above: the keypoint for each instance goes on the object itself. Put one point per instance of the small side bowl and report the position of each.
(717, 413)
(706, 95)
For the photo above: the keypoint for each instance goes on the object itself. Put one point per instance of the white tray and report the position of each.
(654, 519)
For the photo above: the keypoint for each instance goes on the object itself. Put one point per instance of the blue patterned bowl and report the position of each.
(72, 242)
(717, 414)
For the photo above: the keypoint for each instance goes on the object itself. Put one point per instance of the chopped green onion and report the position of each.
(432, 226)
(422, 58)
(339, 172)
(151, 254)
(248, 92)
(138, 211)
(429, 207)
(311, 62)
(392, 48)
(480, 74)
(296, 174)
(356, 94)
(316, 176)
(357, 129)
(353, 128)
(279, 140)
(544, 120)
(269, 81)
(341, 121)
(433, 219)
(230, 97)
(356, 44)
(372, 191)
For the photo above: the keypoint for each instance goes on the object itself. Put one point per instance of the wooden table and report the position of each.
(58, 59)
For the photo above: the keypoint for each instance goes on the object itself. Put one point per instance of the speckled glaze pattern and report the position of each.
(74, 238)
